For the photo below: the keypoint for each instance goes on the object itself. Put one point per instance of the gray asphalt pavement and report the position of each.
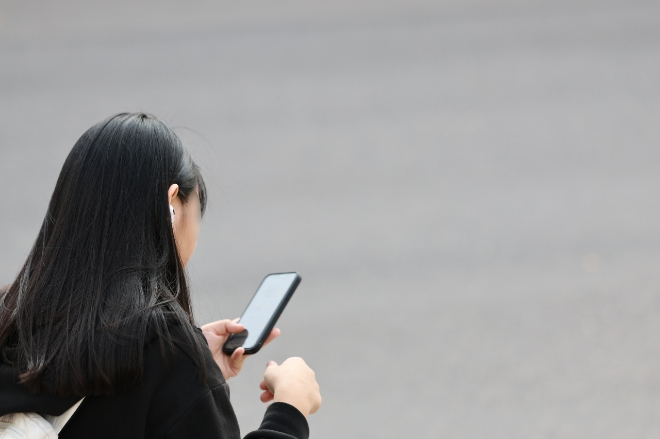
(469, 189)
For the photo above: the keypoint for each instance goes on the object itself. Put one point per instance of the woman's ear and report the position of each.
(172, 192)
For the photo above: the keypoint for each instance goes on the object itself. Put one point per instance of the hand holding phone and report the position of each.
(216, 334)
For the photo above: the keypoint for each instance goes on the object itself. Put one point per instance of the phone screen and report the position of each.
(261, 309)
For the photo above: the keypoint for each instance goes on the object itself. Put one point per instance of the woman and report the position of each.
(101, 309)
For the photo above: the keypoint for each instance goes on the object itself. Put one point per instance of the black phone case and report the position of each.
(273, 320)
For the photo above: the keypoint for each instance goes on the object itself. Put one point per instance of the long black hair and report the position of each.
(104, 275)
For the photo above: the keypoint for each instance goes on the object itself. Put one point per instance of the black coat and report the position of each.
(170, 404)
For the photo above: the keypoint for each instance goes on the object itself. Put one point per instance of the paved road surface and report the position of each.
(470, 190)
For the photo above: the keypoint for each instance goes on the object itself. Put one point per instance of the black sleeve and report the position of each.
(210, 414)
(208, 419)
(281, 421)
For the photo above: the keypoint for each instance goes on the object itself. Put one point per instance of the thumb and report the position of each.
(267, 376)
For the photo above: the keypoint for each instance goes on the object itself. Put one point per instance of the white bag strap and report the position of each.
(33, 425)
(58, 422)
(25, 426)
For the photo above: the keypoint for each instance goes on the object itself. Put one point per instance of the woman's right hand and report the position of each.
(292, 382)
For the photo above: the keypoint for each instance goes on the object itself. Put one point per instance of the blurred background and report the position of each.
(469, 189)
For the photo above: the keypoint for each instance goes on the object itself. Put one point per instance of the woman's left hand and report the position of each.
(216, 334)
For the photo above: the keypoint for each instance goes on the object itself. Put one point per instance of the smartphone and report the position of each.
(262, 312)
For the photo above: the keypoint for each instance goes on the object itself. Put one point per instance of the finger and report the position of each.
(234, 328)
(318, 406)
(237, 359)
(217, 327)
(273, 335)
(266, 396)
(265, 387)
(237, 355)
(223, 327)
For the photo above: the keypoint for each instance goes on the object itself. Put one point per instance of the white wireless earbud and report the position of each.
(172, 214)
